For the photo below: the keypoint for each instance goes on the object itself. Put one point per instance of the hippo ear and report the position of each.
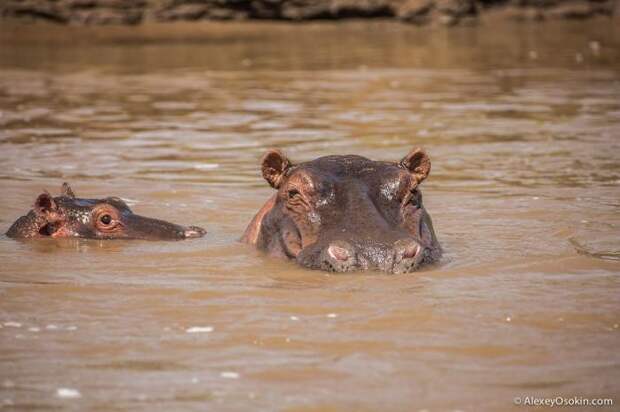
(45, 205)
(65, 190)
(274, 165)
(418, 164)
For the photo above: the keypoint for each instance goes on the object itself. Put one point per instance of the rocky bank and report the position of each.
(447, 12)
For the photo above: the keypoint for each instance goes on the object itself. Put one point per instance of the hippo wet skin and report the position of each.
(346, 213)
(67, 216)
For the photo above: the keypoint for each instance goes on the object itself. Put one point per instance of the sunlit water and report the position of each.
(523, 127)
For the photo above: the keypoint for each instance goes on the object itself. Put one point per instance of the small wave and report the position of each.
(582, 250)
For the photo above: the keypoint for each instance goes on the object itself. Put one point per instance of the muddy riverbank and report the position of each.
(418, 12)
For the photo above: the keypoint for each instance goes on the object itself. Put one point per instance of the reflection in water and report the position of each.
(524, 194)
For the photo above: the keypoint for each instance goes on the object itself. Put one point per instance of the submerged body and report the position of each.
(346, 213)
(67, 216)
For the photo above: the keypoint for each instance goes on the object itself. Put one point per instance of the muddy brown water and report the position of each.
(522, 123)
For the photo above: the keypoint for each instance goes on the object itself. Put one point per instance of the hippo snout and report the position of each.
(403, 256)
(141, 227)
(194, 232)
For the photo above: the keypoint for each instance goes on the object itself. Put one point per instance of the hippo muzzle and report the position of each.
(341, 256)
(140, 227)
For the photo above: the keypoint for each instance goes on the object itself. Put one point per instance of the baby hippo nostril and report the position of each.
(338, 253)
(194, 231)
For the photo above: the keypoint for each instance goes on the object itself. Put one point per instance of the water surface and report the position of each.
(522, 123)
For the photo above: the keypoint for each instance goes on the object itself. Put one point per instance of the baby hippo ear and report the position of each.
(65, 190)
(274, 165)
(45, 205)
(418, 164)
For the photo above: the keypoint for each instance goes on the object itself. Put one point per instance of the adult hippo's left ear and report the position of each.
(274, 165)
(418, 163)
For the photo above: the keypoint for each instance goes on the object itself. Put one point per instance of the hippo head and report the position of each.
(346, 213)
(67, 216)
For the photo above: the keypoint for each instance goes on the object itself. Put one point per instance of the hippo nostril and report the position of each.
(406, 249)
(338, 253)
(194, 232)
(411, 251)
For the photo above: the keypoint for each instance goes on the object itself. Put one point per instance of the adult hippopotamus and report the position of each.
(346, 213)
(67, 216)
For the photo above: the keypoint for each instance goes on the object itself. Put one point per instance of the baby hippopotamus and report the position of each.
(346, 213)
(67, 216)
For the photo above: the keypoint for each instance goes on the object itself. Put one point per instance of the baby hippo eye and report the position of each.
(105, 219)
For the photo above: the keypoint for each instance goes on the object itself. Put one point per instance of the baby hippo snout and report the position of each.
(194, 232)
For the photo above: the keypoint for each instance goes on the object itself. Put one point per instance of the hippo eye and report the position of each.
(415, 199)
(293, 193)
(105, 219)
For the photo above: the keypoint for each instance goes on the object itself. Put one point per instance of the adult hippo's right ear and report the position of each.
(274, 165)
(417, 163)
